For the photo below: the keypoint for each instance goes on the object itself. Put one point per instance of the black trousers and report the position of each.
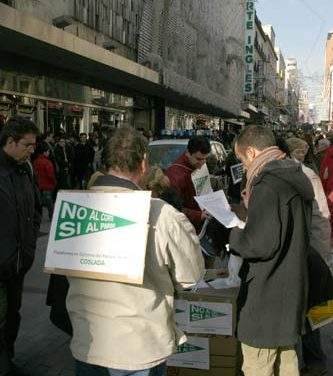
(10, 327)
(13, 318)
(313, 354)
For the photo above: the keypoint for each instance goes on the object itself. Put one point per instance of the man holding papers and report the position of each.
(180, 176)
(274, 245)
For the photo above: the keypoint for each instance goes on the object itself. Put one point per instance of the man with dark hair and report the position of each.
(258, 136)
(180, 176)
(275, 246)
(122, 328)
(19, 224)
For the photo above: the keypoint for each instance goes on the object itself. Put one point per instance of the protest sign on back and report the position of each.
(99, 235)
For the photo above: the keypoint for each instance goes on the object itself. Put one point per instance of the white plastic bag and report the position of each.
(234, 265)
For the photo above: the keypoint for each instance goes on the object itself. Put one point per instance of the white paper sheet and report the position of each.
(216, 204)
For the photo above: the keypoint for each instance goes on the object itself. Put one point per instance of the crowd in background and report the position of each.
(284, 244)
(68, 162)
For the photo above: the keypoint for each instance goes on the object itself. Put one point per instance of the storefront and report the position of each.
(57, 105)
(182, 120)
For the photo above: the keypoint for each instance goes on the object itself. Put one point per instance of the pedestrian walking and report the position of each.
(326, 176)
(64, 158)
(126, 329)
(83, 159)
(49, 139)
(19, 225)
(45, 176)
(274, 244)
(97, 147)
(180, 176)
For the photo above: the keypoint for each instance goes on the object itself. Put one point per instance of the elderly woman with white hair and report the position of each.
(321, 228)
(320, 240)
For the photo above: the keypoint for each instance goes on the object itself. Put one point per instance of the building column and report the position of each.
(85, 122)
(40, 108)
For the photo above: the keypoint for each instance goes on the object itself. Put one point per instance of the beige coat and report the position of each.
(132, 327)
(320, 238)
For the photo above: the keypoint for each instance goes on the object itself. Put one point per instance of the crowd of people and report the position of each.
(283, 238)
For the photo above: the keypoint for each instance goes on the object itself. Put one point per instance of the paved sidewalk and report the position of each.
(43, 349)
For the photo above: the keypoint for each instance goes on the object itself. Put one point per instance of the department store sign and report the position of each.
(250, 33)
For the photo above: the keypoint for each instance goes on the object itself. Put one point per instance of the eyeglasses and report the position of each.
(27, 146)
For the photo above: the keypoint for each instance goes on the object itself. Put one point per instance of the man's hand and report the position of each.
(204, 215)
(240, 211)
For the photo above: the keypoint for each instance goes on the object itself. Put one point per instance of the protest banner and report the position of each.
(99, 235)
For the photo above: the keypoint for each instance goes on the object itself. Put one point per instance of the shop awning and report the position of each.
(234, 122)
(250, 108)
(28, 45)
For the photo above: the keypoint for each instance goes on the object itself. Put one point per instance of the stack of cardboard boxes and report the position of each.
(208, 318)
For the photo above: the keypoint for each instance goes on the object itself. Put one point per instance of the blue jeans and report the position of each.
(85, 369)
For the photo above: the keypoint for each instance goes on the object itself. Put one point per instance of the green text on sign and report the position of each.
(76, 220)
(198, 313)
(187, 347)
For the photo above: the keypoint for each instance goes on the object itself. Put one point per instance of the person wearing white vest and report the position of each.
(125, 329)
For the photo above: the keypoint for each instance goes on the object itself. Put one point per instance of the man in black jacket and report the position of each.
(19, 224)
(275, 246)
(83, 159)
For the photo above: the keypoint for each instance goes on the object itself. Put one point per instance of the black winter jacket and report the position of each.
(275, 246)
(20, 216)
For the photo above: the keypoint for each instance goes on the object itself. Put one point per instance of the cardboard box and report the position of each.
(223, 362)
(223, 346)
(192, 354)
(208, 311)
(208, 314)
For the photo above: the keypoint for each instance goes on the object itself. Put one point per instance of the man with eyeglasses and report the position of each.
(19, 224)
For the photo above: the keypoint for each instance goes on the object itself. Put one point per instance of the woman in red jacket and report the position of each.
(326, 176)
(45, 175)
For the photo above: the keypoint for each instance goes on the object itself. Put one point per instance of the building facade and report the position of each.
(198, 48)
(56, 103)
(328, 78)
(263, 99)
(186, 56)
(304, 107)
(281, 92)
(293, 90)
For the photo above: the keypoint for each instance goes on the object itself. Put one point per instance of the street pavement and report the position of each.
(42, 349)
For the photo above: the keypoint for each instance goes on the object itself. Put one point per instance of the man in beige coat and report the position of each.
(121, 329)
